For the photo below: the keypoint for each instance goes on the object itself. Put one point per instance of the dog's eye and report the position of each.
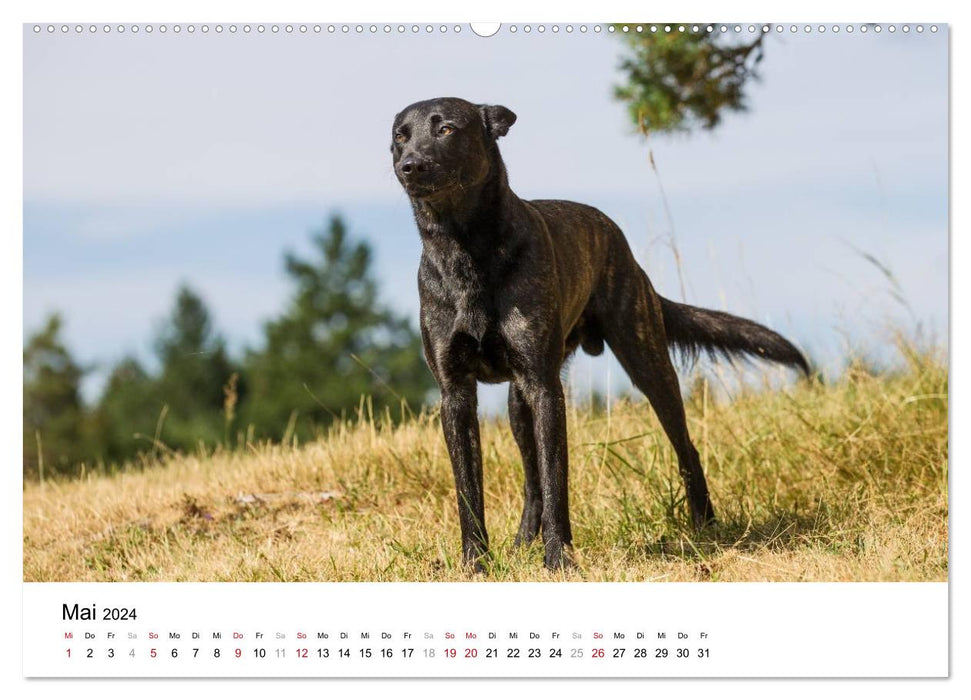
(445, 130)
(400, 138)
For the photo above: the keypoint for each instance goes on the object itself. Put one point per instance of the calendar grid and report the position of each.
(511, 630)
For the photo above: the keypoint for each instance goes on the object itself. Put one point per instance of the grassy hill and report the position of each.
(835, 482)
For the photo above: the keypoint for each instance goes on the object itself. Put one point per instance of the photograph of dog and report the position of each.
(641, 306)
(510, 288)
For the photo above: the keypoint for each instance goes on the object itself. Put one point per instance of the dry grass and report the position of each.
(846, 481)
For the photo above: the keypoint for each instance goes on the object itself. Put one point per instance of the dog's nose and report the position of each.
(411, 164)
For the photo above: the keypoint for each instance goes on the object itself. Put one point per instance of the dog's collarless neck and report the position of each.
(474, 221)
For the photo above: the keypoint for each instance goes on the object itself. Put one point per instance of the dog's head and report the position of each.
(446, 143)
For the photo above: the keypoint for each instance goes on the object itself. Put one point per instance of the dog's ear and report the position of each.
(497, 119)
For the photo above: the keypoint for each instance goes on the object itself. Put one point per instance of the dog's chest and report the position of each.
(478, 338)
(466, 319)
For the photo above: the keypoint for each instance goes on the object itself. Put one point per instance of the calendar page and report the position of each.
(525, 349)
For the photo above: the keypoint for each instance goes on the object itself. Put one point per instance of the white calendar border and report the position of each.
(509, 10)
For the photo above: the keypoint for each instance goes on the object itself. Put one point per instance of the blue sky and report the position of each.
(152, 160)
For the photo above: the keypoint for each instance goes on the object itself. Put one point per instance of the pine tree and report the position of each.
(128, 414)
(53, 428)
(180, 407)
(194, 369)
(334, 344)
(677, 80)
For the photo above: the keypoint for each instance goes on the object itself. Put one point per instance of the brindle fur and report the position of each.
(510, 288)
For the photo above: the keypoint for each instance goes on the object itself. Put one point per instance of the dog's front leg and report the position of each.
(460, 424)
(521, 422)
(545, 398)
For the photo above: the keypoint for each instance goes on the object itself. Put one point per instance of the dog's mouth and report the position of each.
(419, 190)
(426, 189)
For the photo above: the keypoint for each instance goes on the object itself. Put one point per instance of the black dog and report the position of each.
(510, 288)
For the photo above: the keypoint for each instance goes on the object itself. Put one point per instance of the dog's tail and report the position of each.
(691, 330)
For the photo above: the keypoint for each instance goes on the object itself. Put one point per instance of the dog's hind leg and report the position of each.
(521, 422)
(635, 333)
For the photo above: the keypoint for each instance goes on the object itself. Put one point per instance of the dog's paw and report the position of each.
(703, 515)
(478, 568)
(560, 558)
(475, 562)
(704, 522)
